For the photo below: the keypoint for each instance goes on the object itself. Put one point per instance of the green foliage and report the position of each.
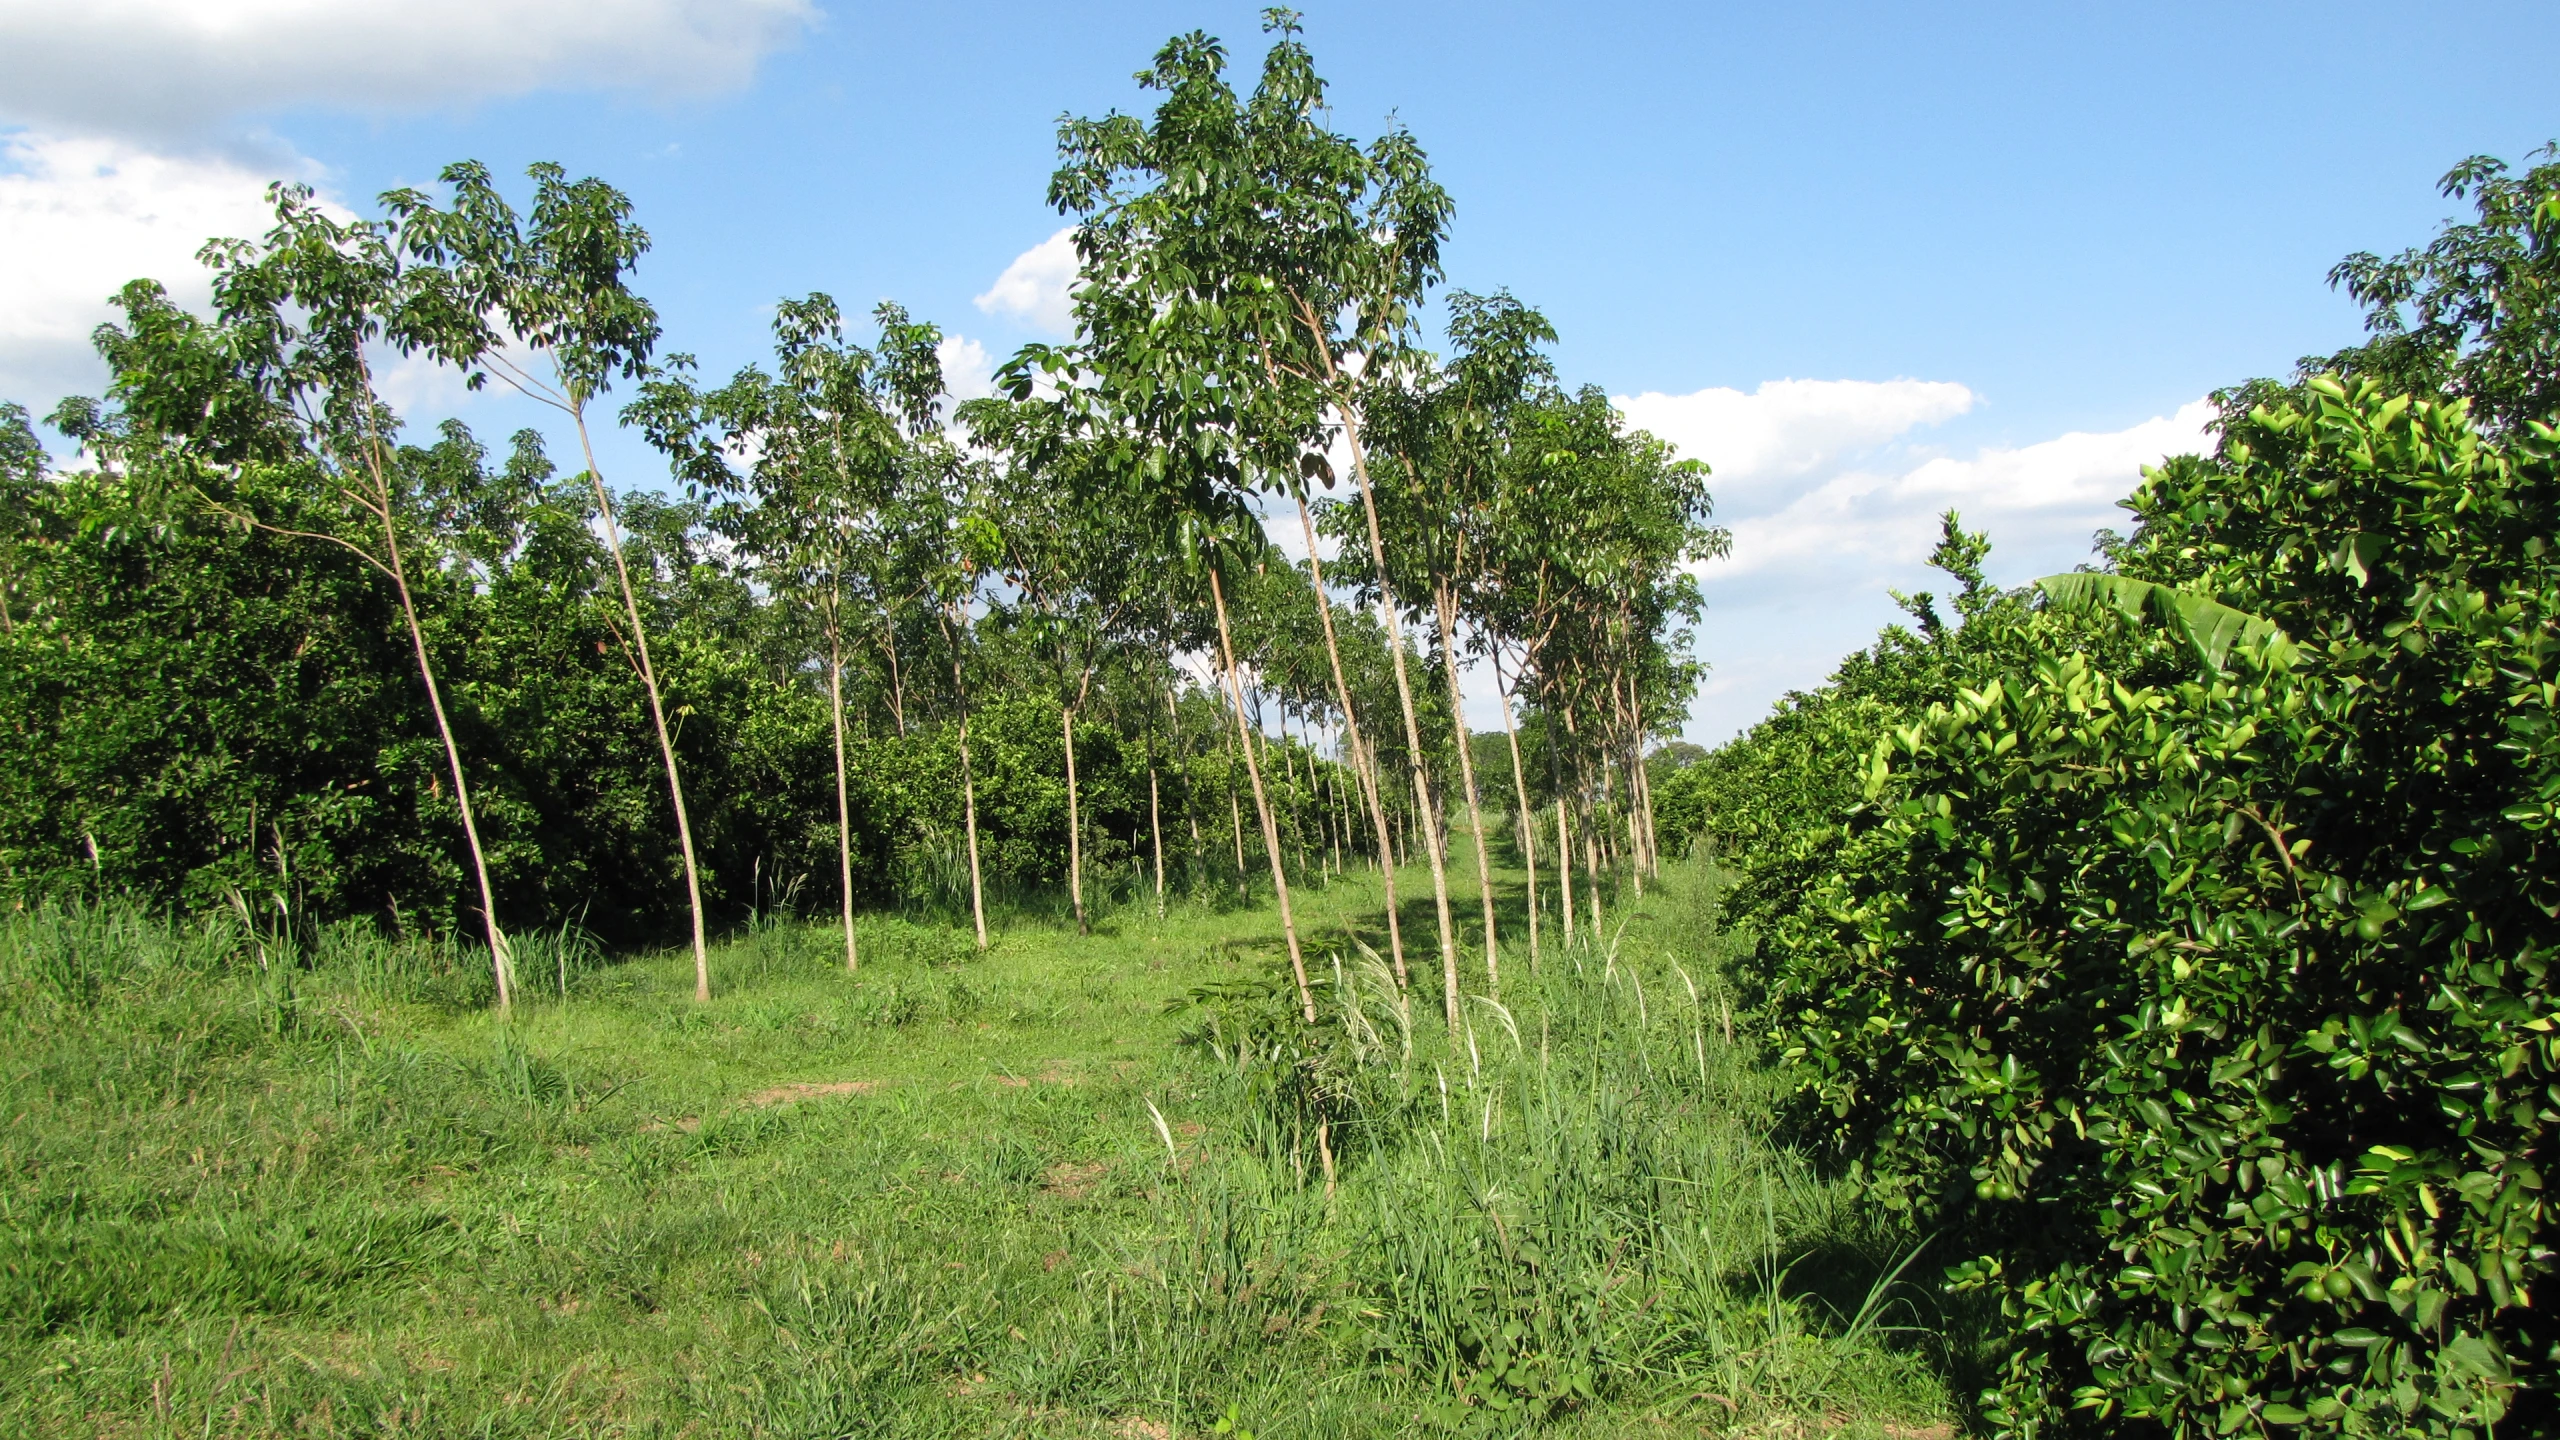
(300, 758)
(2475, 313)
(2211, 629)
(2212, 1007)
(928, 1200)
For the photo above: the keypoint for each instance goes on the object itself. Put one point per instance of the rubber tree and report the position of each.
(1449, 428)
(1245, 271)
(820, 439)
(1597, 530)
(543, 303)
(1078, 558)
(953, 548)
(284, 377)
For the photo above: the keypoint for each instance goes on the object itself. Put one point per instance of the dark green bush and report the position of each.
(2212, 1007)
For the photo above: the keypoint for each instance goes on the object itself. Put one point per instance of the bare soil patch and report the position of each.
(809, 1090)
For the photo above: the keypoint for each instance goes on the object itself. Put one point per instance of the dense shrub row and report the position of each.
(2197, 996)
(188, 707)
(2211, 1006)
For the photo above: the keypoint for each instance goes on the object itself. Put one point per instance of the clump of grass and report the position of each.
(1569, 1205)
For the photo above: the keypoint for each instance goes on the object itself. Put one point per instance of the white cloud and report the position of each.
(1814, 556)
(2061, 489)
(168, 67)
(1036, 286)
(1788, 428)
(79, 218)
(967, 372)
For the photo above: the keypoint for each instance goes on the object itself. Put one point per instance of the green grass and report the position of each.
(266, 1188)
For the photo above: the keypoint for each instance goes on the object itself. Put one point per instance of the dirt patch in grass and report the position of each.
(809, 1090)
(1073, 1180)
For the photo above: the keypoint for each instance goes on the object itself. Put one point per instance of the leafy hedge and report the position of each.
(188, 708)
(2209, 1009)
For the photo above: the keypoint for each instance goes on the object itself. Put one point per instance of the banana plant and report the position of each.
(2210, 628)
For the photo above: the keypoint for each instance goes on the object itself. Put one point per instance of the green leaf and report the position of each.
(2208, 625)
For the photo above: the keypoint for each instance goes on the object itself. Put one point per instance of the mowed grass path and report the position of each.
(931, 1198)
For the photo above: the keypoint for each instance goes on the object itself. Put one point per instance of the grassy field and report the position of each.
(254, 1183)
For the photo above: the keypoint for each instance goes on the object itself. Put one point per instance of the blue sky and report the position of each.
(1865, 260)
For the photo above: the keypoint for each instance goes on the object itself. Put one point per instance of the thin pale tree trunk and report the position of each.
(969, 805)
(1075, 814)
(379, 504)
(1564, 867)
(1270, 834)
(1155, 827)
(1591, 868)
(1351, 729)
(897, 677)
(1639, 859)
(1652, 826)
(1297, 808)
(1332, 813)
(657, 711)
(1235, 808)
(1445, 605)
(1190, 812)
(1388, 621)
(844, 802)
(1520, 785)
(1633, 855)
(501, 958)
(968, 786)
(1395, 647)
(1644, 801)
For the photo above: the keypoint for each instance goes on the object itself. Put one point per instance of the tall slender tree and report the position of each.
(1243, 268)
(1450, 429)
(1076, 554)
(543, 302)
(823, 439)
(290, 382)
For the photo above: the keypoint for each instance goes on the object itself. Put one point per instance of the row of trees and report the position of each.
(849, 543)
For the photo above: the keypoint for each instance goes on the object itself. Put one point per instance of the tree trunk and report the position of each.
(1591, 867)
(1388, 622)
(1351, 729)
(1652, 836)
(501, 957)
(968, 785)
(1235, 809)
(1332, 813)
(1155, 827)
(1652, 827)
(1075, 822)
(1520, 784)
(1445, 605)
(969, 804)
(897, 677)
(1190, 812)
(1564, 866)
(844, 804)
(1270, 834)
(657, 712)
(1299, 802)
